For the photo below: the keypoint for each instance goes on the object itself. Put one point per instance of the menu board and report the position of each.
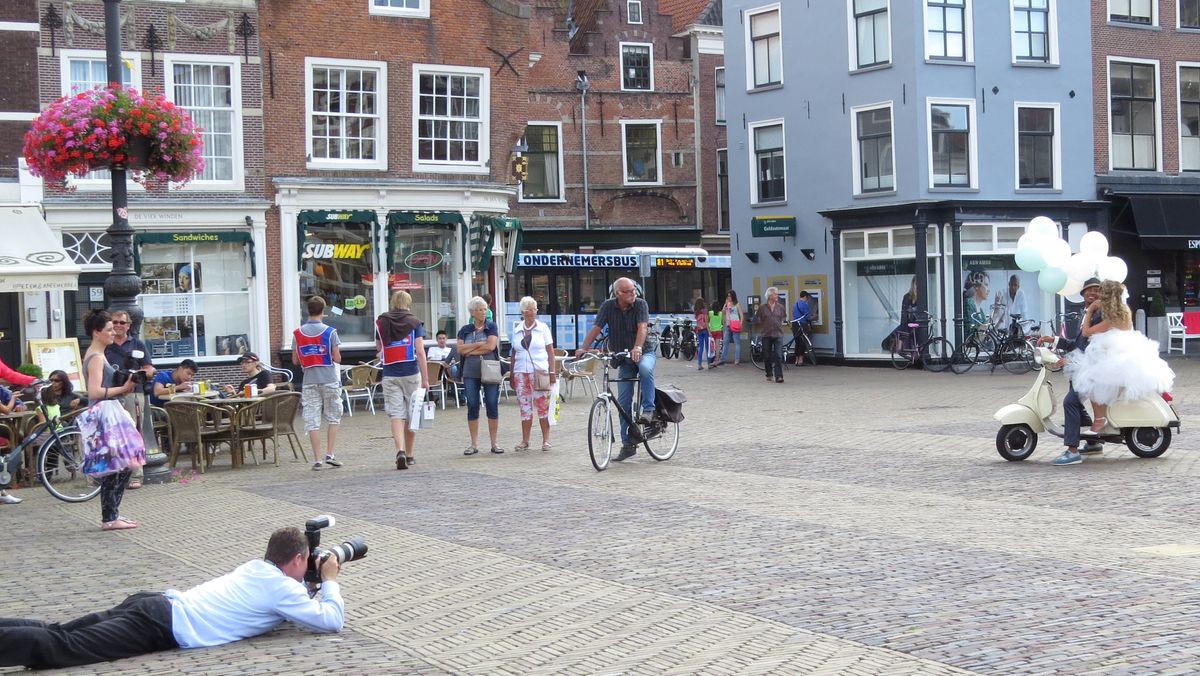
(174, 315)
(59, 354)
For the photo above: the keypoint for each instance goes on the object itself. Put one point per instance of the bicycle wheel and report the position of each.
(688, 348)
(662, 438)
(667, 349)
(756, 353)
(600, 433)
(964, 358)
(60, 467)
(809, 352)
(1017, 357)
(902, 354)
(936, 355)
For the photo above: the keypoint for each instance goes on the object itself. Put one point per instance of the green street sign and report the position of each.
(773, 226)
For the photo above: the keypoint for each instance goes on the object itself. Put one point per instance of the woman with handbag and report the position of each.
(477, 345)
(112, 445)
(732, 322)
(533, 372)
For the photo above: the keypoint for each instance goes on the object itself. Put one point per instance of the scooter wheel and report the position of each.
(1148, 442)
(1016, 442)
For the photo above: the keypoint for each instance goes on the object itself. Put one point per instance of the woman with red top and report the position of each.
(700, 309)
(15, 377)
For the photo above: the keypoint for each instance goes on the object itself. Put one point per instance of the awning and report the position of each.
(773, 226)
(31, 257)
(482, 237)
(194, 237)
(1167, 222)
(354, 217)
(416, 219)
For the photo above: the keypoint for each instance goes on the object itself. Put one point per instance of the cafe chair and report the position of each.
(437, 382)
(364, 383)
(573, 371)
(185, 421)
(282, 416)
(162, 426)
(251, 429)
(505, 377)
(218, 427)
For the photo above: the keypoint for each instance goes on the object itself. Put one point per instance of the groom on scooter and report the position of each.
(1075, 415)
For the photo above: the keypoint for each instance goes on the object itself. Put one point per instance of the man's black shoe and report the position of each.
(645, 418)
(627, 452)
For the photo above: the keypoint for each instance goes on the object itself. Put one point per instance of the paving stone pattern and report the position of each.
(848, 521)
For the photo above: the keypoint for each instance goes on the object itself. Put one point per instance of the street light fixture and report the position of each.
(583, 85)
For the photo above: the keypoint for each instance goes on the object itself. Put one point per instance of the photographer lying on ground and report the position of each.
(251, 600)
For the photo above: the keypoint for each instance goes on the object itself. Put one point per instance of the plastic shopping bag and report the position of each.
(427, 412)
(553, 405)
(416, 409)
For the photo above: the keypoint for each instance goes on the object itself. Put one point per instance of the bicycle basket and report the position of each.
(668, 401)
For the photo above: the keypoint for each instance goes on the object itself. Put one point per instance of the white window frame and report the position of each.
(629, 5)
(852, 39)
(749, 14)
(135, 81)
(238, 181)
(624, 152)
(1178, 22)
(1153, 15)
(720, 103)
(753, 160)
(1051, 37)
(485, 112)
(1158, 115)
(972, 143)
(968, 37)
(381, 97)
(856, 151)
(421, 12)
(562, 181)
(1179, 66)
(1056, 145)
(621, 50)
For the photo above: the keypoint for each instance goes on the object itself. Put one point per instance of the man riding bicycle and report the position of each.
(801, 324)
(627, 319)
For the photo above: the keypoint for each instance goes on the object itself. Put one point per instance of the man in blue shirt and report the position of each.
(801, 324)
(181, 376)
(252, 600)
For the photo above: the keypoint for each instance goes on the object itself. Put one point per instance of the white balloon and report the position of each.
(1072, 287)
(1056, 252)
(1113, 268)
(1080, 267)
(1042, 226)
(1075, 298)
(1030, 241)
(1094, 244)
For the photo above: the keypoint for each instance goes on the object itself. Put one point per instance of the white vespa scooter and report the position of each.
(1143, 425)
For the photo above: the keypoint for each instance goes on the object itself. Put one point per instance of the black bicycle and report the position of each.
(660, 435)
(789, 350)
(917, 344)
(59, 464)
(678, 338)
(987, 344)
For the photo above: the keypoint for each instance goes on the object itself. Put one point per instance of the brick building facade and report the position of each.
(1146, 73)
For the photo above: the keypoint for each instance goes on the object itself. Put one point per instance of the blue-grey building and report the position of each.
(869, 139)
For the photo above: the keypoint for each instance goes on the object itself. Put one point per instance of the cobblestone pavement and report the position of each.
(848, 521)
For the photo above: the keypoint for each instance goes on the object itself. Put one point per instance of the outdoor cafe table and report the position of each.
(21, 423)
(234, 405)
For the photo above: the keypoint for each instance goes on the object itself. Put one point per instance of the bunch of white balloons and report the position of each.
(1041, 250)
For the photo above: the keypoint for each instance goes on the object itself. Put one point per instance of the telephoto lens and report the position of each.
(350, 550)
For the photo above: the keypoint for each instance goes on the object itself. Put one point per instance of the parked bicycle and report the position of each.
(988, 344)
(789, 350)
(678, 338)
(59, 459)
(660, 436)
(918, 343)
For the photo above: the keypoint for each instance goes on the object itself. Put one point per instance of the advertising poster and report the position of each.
(995, 290)
(174, 318)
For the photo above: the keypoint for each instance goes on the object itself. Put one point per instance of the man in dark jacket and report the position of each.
(1075, 415)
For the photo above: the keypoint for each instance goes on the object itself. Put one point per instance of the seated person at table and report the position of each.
(440, 352)
(255, 375)
(64, 393)
(181, 376)
(9, 402)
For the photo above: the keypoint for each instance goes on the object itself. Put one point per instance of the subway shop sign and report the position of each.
(563, 260)
(331, 250)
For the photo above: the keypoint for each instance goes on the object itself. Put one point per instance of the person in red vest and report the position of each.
(15, 377)
(400, 338)
(315, 348)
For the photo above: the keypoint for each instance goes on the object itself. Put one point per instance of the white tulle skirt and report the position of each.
(1119, 365)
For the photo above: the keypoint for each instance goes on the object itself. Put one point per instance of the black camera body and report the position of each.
(350, 550)
(122, 376)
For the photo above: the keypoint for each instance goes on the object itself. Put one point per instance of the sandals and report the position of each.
(1099, 424)
(133, 484)
(471, 450)
(546, 446)
(497, 450)
(523, 446)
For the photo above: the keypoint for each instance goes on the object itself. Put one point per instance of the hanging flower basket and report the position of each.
(115, 127)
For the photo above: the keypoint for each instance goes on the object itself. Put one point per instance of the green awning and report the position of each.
(773, 226)
(482, 236)
(414, 219)
(352, 217)
(194, 237)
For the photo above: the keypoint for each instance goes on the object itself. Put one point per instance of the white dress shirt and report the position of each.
(436, 353)
(253, 599)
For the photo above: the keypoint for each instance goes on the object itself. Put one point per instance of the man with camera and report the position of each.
(128, 353)
(254, 599)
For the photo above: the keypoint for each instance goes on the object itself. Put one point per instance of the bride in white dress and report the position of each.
(1119, 363)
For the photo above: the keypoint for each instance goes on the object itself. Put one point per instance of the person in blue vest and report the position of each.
(801, 323)
(400, 339)
(315, 348)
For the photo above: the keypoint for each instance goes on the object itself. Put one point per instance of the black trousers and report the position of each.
(112, 489)
(140, 624)
(772, 348)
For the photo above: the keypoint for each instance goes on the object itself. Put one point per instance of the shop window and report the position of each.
(878, 243)
(1189, 118)
(878, 269)
(766, 48)
(1133, 107)
(637, 67)
(593, 290)
(195, 299)
(450, 122)
(976, 238)
(347, 109)
(641, 140)
(336, 264)
(423, 265)
(211, 94)
(854, 245)
(870, 32)
(1007, 236)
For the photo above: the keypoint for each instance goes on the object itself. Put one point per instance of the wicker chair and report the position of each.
(282, 417)
(251, 429)
(185, 420)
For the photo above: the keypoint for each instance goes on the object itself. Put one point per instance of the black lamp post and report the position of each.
(122, 285)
